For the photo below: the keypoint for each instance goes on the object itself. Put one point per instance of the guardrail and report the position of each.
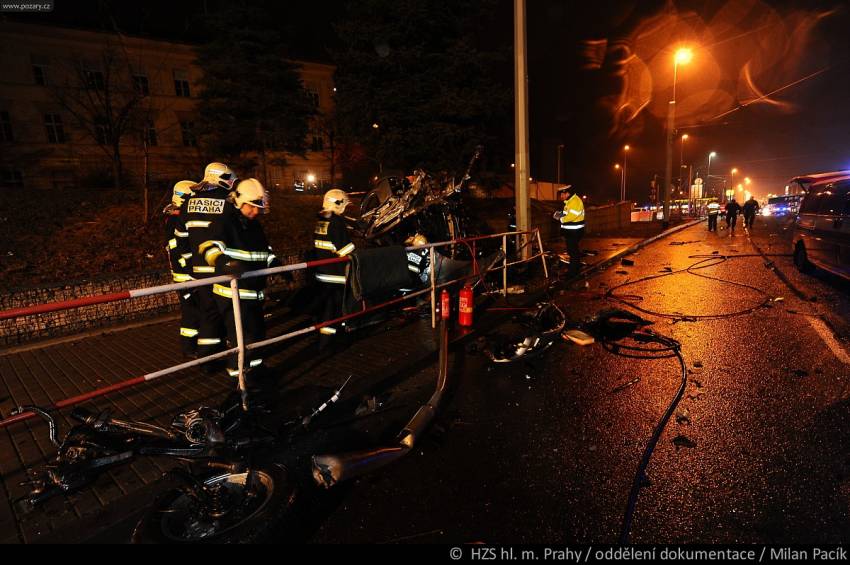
(241, 347)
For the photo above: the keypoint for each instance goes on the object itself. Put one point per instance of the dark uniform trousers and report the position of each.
(572, 239)
(179, 254)
(331, 240)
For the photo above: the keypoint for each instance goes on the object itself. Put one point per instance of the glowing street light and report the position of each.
(683, 56)
(625, 167)
(708, 170)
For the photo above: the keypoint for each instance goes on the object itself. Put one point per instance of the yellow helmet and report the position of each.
(250, 191)
(335, 201)
(219, 174)
(416, 240)
(182, 190)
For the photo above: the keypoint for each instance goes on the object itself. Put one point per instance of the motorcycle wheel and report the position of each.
(258, 503)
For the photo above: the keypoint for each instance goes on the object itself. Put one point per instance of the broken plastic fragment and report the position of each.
(627, 262)
(779, 299)
(624, 386)
(578, 336)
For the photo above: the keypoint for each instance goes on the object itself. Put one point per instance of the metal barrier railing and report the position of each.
(241, 348)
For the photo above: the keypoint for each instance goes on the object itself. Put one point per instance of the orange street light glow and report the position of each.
(684, 56)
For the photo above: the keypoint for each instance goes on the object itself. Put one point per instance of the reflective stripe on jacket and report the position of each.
(573, 216)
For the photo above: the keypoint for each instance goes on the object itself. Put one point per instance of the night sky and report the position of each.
(743, 49)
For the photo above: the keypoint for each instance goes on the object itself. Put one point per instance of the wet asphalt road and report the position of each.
(547, 451)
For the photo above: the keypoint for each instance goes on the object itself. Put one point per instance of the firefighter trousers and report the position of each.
(253, 329)
(190, 318)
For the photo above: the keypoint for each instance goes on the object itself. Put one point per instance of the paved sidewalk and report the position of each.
(391, 352)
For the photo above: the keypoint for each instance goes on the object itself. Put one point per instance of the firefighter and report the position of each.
(571, 221)
(331, 239)
(204, 215)
(713, 213)
(179, 256)
(242, 247)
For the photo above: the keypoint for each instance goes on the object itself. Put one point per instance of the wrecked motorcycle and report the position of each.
(399, 208)
(229, 486)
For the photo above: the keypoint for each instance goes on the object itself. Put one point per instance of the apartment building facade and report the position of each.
(58, 83)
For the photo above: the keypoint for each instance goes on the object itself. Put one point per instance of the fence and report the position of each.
(528, 238)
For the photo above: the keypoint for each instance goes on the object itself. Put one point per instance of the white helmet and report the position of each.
(250, 191)
(182, 190)
(335, 201)
(219, 174)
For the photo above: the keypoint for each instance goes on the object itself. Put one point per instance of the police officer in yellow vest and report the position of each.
(713, 213)
(571, 221)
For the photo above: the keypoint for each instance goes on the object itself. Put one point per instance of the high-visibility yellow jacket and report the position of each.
(713, 209)
(573, 215)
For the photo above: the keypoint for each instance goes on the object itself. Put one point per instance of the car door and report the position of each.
(843, 235)
(828, 225)
(809, 226)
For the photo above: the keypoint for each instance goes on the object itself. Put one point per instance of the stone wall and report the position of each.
(27, 329)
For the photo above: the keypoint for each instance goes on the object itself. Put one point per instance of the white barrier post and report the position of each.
(433, 289)
(240, 341)
(505, 265)
(542, 253)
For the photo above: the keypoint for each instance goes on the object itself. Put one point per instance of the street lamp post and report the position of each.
(732, 174)
(683, 56)
(617, 167)
(708, 171)
(625, 167)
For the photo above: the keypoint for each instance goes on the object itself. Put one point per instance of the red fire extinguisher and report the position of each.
(465, 305)
(445, 305)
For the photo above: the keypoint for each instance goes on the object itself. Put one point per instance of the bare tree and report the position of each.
(101, 96)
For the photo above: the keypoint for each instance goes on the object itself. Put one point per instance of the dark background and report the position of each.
(798, 130)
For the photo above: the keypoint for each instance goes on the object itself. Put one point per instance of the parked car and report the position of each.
(822, 227)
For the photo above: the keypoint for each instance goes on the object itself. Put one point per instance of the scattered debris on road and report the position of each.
(683, 441)
(578, 336)
(627, 262)
(683, 417)
(624, 386)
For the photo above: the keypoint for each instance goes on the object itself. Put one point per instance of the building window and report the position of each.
(94, 80)
(6, 128)
(140, 83)
(55, 129)
(150, 138)
(188, 131)
(39, 74)
(181, 84)
(318, 143)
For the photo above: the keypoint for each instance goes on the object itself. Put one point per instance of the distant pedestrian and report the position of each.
(571, 221)
(751, 207)
(713, 213)
(732, 211)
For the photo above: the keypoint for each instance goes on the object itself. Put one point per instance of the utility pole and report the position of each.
(521, 126)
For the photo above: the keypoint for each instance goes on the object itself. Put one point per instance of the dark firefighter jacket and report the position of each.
(331, 239)
(177, 247)
(205, 216)
(243, 241)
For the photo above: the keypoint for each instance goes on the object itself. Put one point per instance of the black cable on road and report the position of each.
(704, 262)
(669, 348)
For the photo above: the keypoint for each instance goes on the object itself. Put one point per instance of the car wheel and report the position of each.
(801, 259)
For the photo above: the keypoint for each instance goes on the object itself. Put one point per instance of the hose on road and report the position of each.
(704, 262)
(668, 348)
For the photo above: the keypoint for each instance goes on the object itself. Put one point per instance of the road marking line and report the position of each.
(826, 335)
